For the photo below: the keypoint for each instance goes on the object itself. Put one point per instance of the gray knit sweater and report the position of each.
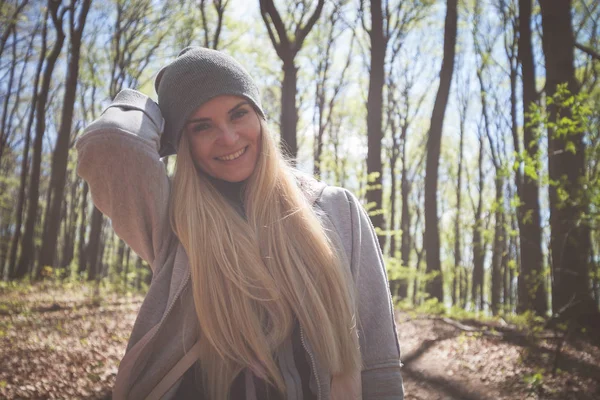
(118, 157)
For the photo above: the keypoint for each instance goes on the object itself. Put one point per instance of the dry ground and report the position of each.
(59, 343)
(445, 359)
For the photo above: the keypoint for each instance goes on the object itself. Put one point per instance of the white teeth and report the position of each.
(232, 156)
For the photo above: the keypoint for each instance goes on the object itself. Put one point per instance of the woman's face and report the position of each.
(224, 136)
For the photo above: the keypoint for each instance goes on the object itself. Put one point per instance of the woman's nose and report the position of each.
(228, 135)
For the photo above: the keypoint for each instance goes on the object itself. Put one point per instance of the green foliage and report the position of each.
(534, 381)
(8, 184)
(397, 271)
(431, 306)
(527, 322)
(459, 313)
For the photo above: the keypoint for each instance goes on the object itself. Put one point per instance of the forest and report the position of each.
(469, 129)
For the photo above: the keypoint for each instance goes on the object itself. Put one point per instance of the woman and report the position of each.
(266, 283)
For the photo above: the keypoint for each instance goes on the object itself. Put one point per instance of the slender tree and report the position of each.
(458, 281)
(399, 105)
(14, 246)
(27, 246)
(327, 92)
(402, 108)
(483, 49)
(5, 122)
(477, 286)
(130, 45)
(378, 45)
(9, 17)
(63, 140)
(212, 41)
(287, 47)
(435, 287)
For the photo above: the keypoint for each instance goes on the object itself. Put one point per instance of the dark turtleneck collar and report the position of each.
(232, 191)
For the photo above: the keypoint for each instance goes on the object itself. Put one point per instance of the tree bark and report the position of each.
(25, 158)
(11, 24)
(220, 6)
(531, 288)
(287, 49)
(456, 291)
(374, 116)
(405, 217)
(289, 110)
(4, 129)
(70, 229)
(570, 239)
(435, 287)
(498, 246)
(325, 106)
(94, 245)
(82, 248)
(61, 151)
(477, 292)
(27, 246)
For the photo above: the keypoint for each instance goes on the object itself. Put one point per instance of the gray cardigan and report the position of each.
(118, 157)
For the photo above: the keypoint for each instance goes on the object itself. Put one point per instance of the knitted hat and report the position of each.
(196, 76)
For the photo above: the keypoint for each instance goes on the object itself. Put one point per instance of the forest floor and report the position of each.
(57, 342)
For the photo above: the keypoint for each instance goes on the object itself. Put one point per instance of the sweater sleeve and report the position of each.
(118, 158)
(381, 378)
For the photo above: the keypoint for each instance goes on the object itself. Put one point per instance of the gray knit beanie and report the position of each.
(193, 78)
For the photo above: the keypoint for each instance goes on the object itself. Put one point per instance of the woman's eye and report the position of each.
(199, 127)
(239, 114)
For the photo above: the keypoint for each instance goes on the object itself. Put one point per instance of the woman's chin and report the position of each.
(234, 176)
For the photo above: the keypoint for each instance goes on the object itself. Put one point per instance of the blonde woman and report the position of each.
(266, 283)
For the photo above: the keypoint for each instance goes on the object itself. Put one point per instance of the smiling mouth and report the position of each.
(233, 156)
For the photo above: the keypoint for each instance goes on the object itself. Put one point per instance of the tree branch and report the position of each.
(267, 7)
(298, 40)
(589, 51)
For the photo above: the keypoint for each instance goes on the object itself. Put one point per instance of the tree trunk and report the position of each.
(456, 290)
(398, 286)
(61, 152)
(416, 283)
(498, 249)
(12, 22)
(126, 270)
(435, 287)
(393, 201)
(289, 111)
(374, 116)
(4, 229)
(570, 238)
(325, 105)
(82, 248)
(219, 5)
(405, 216)
(531, 288)
(25, 159)
(478, 246)
(4, 129)
(505, 267)
(94, 246)
(287, 49)
(120, 258)
(27, 247)
(70, 230)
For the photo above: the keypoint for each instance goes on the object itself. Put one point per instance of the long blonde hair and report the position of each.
(251, 276)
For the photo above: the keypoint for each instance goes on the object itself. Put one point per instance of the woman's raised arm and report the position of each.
(118, 157)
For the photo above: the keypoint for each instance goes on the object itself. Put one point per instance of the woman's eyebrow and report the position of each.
(242, 103)
(197, 120)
